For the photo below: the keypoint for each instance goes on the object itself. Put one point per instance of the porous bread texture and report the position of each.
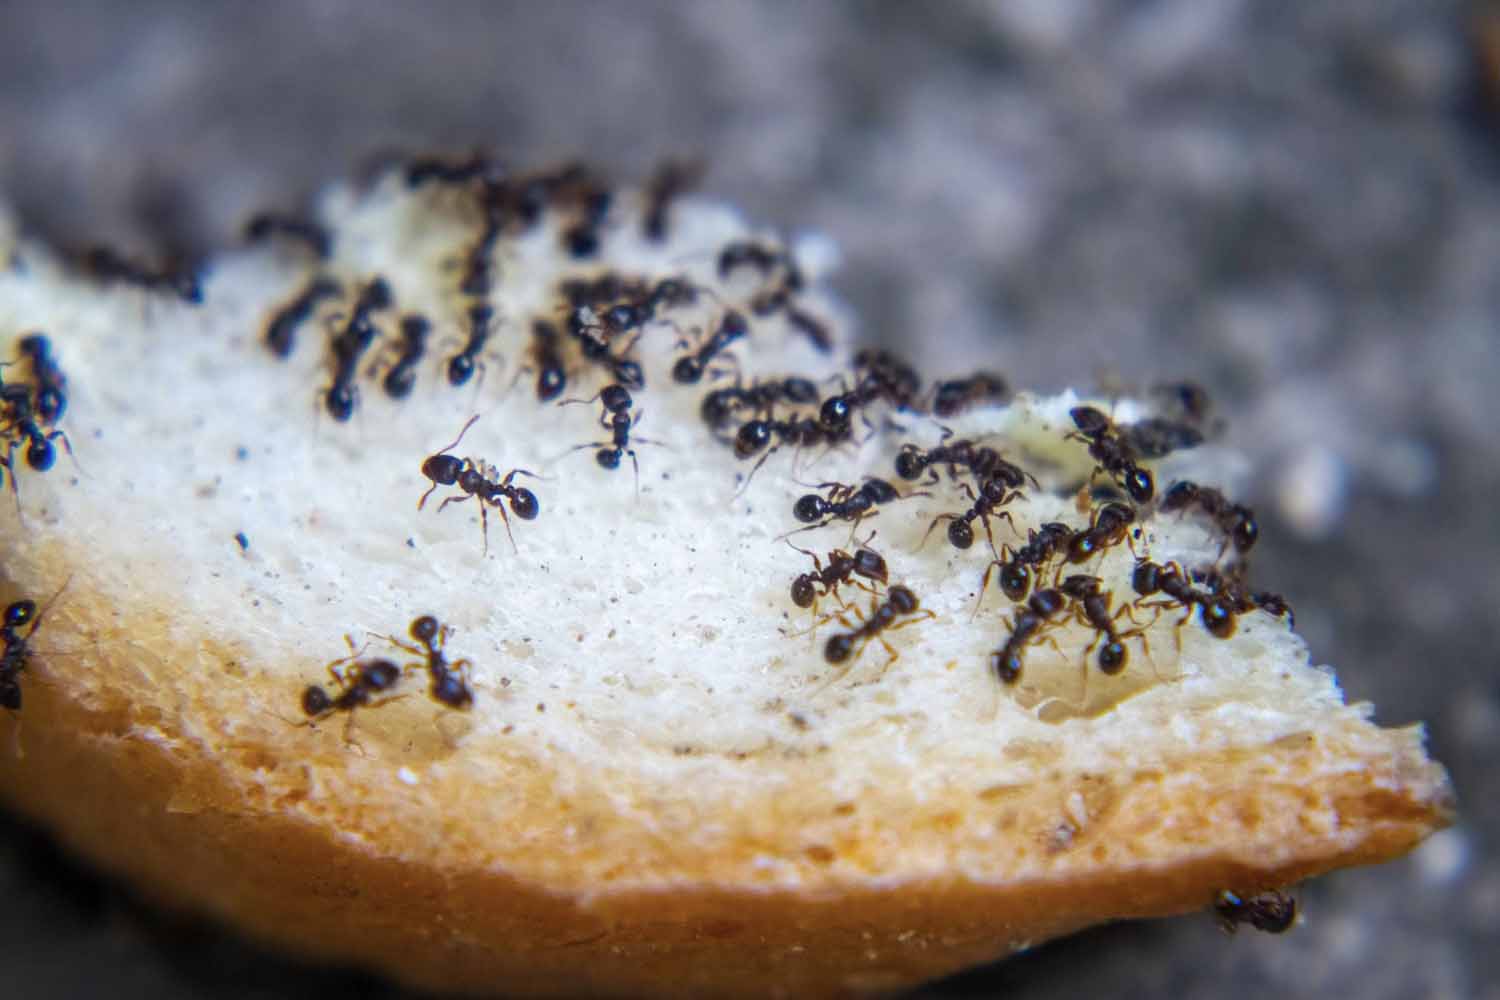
(661, 785)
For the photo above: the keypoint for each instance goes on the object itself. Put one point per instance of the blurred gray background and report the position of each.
(1296, 204)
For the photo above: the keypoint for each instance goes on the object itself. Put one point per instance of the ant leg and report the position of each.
(636, 467)
(934, 524)
(746, 485)
(458, 499)
(484, 527)
(506, 518)
(983, 584)
(423, 500)
(14, 488)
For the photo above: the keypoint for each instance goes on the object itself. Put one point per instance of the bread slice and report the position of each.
(661, 785)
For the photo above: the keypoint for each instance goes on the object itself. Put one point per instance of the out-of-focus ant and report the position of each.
(461, 365)
(428, 169)
(51, 384)
(402, 376)
(671, 181)
(814, 329)
(952, 397)
(449, 680)
(106, 265)
(1113, 454)
(546, 356)
(720, 406)
(689, 368)
(1273, 912)
(281, 331)
(357, 682)
(478, 479)
(845, 647)
(18, 615)
(1236, 521)
(265, 225)
(350, 345)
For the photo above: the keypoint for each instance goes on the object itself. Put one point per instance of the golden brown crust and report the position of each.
(403, 882)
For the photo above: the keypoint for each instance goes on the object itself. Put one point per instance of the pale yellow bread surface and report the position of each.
(661, 787)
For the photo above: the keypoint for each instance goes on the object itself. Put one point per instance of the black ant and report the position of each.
(461, 366)
(402, 376)
(983, 463)
(671, 181)
(1273, 912)
(351, 343)
(1236, 521)
(477, 167)
(1110, 525)
(1217, 612)
(1016, 573)
(358, 685)
(625, 370)
(842, 568)
(267, 224)
(720, 405)
(846, 503)
(689, 368)
(1113, 454)
(952, 397)
(51, 383)
(546, 352)
(748, 254)
(1008, 661)
(1189, 398)
(477, 478)
(449, 680)
(846, 646)
(1093, 610)
(18, 615)
(106, 265)
(814, 329)
(281, 331)
(1157, 437)
(616, 418)
(20, 421)
(994, 493)
(886, 377)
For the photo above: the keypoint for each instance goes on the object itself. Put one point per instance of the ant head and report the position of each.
(910, 462)
(315, 701)
(340, 402)
(834, 413)
(751, 438)
(20, 614)
(10, 694)
(424, 629)
(377, 294)
(460, 369)
(399, 382)
(1218, 618)
(1139, 485)
(687, 370)
(550, 382)
(1007, 665)
(615, 398)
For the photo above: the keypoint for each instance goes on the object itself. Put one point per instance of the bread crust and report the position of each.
(574, 895)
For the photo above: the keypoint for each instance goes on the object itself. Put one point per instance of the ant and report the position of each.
(1015, 573)
(841, 569)
(477, 167)
(625, 370)
(402, 376)
(1190, 398)
(107, 265)
(1156, 437)
(546, 351)
(18, 615)
(51, 383)
(1273, 912)
(984, 463)
(476, 478)
(450, 681)
(720, 405)
(689, 368)
(953, 397)
(616, 418)
(1093, 610)
(265, 225)
(1113, 453)
(479, 261)
(814, 329)
(358, 684)
(744, 253)
(886, 377)
(1217, 612)
(994, 493)
(20, 421)
(1108, 529)
(671, 181)
(899, 601)
(1008, 661)
(281, 332)
(1236, 521)
(846, 503)
(351, 343)
(461, 366)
